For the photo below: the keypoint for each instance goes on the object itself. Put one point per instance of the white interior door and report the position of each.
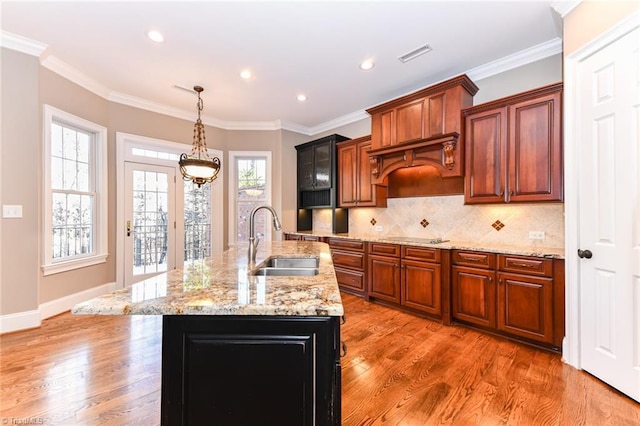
(149, 217)
(608, 125)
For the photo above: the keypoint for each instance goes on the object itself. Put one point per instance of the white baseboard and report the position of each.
(32, 319)
(19, 321)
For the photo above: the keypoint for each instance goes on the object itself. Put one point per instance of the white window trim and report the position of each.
(99, 164)
(233, 155)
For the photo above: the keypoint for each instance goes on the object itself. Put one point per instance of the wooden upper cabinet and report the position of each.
(486, 143)
(514, 148)
(355, 188)
(421, 115)
(535, 149)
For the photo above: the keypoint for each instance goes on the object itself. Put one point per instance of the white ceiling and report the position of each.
(292, 47)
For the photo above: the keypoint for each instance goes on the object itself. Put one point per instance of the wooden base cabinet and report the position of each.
(409, 276)
(384, 272)
(515, 295)
(350, 263)
(250, 370)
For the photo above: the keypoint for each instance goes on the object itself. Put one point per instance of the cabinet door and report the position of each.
(305, 168)
(322, 165)
(485, 157)
(473, 295)
(421, 285)
(366, 193)
(348, 174)
(384, 278)
(409, 122)
(525, 306)
(535, 150)
(436, 108)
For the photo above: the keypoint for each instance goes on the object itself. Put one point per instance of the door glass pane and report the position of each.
(150, 222)
(197, 222)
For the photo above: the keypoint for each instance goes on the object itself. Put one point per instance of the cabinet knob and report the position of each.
(500, 281)
(502, 192)
(511, 193)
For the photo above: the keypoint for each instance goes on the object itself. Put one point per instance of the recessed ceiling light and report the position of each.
(155, 36)
(302, 97)
(367, 65)
(415, 53)
(246, 74)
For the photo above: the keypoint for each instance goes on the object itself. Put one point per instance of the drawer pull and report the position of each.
(343, 346)
(471, 259)
(343, 319)
(524, 265)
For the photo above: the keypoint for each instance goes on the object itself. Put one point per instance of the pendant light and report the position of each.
(199, 167)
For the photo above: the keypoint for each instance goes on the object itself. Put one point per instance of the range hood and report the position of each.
(442, 152)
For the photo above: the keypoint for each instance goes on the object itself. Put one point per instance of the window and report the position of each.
(74, 192)
(250, 186)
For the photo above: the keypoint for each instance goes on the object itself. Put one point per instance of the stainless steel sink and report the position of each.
(288, 266)
(292, 262)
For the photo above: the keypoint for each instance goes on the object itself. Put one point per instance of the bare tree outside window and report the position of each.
(197, 222)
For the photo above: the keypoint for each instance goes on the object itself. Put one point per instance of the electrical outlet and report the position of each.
(379, 228)
(536, 235)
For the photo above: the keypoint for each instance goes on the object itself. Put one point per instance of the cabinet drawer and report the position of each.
(474, 258)
(353, 280)
(346, 244)
(384, 249)
(421, 253)
(526, 265)
(348, 260)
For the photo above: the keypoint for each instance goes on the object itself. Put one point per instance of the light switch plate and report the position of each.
(11, 211)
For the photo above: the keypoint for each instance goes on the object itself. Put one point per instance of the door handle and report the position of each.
(585, 254)
(128, 228)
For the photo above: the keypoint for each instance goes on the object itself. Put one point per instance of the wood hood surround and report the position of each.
(421, 129)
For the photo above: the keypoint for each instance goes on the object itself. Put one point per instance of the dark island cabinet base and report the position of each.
(250, 370)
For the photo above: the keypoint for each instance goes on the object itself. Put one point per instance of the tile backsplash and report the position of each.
(449, 218)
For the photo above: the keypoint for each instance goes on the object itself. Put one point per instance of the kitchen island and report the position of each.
(240, 348)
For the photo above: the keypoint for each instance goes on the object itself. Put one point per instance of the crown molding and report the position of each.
(565, 7)
(340, 121)
(524, 57)
(72, 74)
(22, 44)
(65, 70)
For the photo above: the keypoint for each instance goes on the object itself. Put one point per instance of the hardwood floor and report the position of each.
(399, 370)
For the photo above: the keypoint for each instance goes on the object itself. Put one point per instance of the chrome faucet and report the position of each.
(253, 241)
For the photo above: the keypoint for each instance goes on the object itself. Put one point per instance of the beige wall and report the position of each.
(537, 74)
(591, 18)
(20, 181)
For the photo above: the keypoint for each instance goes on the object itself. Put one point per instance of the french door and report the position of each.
(149, 219)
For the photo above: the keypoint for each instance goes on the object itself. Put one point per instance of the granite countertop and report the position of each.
(532, 250)
(221, 285)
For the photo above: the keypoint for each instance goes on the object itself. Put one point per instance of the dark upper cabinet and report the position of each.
(317, 165)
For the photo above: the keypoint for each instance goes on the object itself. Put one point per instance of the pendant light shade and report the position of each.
(199, 167)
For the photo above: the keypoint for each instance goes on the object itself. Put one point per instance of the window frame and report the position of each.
(99, 177)
(233, 188)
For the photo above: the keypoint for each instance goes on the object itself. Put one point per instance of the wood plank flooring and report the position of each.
(399, 370)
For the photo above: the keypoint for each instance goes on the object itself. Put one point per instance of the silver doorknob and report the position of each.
(585, 254)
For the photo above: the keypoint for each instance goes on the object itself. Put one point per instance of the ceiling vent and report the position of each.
(415, 53)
